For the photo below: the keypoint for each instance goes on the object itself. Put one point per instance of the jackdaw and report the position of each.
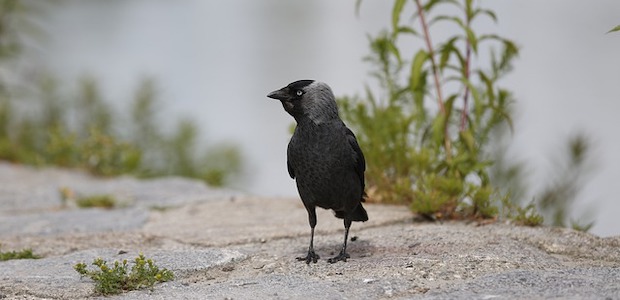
(324, 158)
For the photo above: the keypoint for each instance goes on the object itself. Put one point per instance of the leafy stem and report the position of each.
(431, 54)
(467, 69)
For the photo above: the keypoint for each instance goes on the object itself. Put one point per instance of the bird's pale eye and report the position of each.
(300, 92)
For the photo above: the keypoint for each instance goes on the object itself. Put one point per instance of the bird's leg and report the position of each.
(311, 257)
(343, 253)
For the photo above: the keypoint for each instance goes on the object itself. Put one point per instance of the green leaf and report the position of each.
(448, 104)
(617, 28)
(416, 68)
(471, 38)
(445, 52)
(396, 11)
(503, 97)
(511, 48)
(489, 85)
(430, 4)
(503, 65)
(467, 138)
(439, 18)
(493, 37)
(489, 13)
(453, 19)
(469, 34)
(478, 105)
(394, 50)
(418, 96)
(407, 29)
(437, 129)
(468, 11)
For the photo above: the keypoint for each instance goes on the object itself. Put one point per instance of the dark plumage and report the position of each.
(323, 157)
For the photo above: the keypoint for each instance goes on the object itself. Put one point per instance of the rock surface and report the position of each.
(225, 245)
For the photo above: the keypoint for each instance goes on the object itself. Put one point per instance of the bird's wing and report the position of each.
(291, 172)
(360, 162)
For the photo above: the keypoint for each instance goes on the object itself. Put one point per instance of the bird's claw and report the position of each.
(311, 257)
(341, 257)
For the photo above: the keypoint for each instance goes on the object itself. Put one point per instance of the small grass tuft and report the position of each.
(527, 216)
(103, 201)
(118, 278)
(67, 196)
(22, 254)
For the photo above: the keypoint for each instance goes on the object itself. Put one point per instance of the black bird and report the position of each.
(323, 157)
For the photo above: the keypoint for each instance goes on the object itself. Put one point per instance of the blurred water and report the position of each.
(216, 60)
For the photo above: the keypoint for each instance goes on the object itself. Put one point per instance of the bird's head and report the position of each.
(308, 99)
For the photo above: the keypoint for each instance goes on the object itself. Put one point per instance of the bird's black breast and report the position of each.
(324, 165)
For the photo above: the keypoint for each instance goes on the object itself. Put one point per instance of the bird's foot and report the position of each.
(311, 257)
(341, 257)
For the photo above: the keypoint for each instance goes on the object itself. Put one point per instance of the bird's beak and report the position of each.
(280, 94)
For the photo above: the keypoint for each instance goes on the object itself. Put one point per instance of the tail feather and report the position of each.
(359, 214)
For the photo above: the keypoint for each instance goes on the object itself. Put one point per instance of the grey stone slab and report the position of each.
(55, 277)
(566, 283)
(26, 189)
(252, 219)
(221, 244)
(72, 221)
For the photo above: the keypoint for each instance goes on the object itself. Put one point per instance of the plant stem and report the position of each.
(431, 53)
(467, 62)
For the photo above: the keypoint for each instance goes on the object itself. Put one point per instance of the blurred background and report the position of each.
(209, 64)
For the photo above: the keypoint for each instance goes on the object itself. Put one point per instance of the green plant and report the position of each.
(564, 181)
(42, 126)
(103, 154)
(102, 201)
(22, 254)
(177, 153)
(558, 197)
(617, 28)
(48, 137)
(118, 278)
(526, 216)
(424, 136)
